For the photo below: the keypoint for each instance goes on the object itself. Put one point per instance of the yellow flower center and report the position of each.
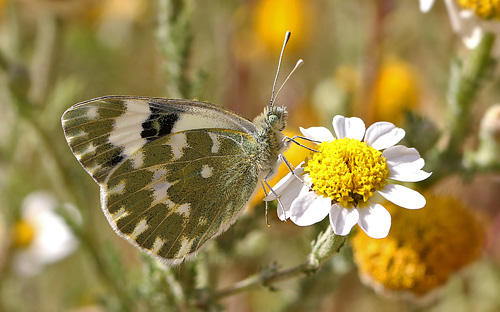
(487, 9)
(22, 234)
(347, 170)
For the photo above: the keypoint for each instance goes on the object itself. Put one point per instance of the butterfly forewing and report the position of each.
(176, 192)
(89, 129)
(104, 132)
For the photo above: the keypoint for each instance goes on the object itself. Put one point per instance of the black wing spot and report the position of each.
(115, 159)
(158, 124)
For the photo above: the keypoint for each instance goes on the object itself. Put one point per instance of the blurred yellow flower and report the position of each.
(423, 249)
(130, 10)
(395, 91)
(272, 18)
(487, 9)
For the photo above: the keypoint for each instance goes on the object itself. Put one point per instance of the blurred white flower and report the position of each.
(464, 22)
(341, 179)
(42, 236)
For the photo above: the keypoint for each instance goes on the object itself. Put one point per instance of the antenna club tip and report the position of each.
(287, 35)
(300, 62)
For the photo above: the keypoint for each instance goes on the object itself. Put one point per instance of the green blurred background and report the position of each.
(371, 59)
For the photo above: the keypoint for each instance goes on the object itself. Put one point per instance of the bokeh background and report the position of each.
(380, 60)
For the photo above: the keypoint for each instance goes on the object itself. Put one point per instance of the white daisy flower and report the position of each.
(341, 179)
(464, 22)
(42, 236)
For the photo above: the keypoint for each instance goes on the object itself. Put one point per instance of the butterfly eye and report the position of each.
(272, 119)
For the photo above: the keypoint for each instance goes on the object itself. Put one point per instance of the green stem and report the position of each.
(174, 40)
(475, 69)
(325, 247)
(465, 83)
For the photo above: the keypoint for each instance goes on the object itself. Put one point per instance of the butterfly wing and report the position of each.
(164, 188)
(105, 131)
(177, 192)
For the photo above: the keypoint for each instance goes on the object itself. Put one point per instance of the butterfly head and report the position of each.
(276, 117)
(273, 118)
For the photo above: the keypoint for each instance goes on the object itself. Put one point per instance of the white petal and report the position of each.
(426, 5)
(284, 183)
(54, 240)
(37, 203)
(405, 164)
(375, 220)
(343, 219)
(309, 209)
(293, 192)
(353, 127)
(454, 15)
(403, 196)
(382, 135)
(317, 134)
(414, 176)
(472, 40)
(399, 154)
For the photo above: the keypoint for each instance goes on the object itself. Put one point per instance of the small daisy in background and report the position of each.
(422, 251)
(342, 178)
(41, 236)
(468, 17)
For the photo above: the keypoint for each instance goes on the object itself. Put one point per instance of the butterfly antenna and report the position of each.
(287, 37)
(299, 63)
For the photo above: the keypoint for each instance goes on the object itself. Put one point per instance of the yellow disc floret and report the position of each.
(347, 170)
(22, 234)
(487, 9)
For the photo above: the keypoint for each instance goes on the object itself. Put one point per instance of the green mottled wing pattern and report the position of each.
(93, 137)
(173, 173)
(105, 131)
(177, 192)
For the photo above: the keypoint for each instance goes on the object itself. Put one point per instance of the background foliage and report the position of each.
(361, 58)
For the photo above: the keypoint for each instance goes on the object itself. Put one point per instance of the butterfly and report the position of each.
(173, 173)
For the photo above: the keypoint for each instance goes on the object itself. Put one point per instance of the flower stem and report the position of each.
(174, 40)
(469, 83)
(465, 82)
(323, 248)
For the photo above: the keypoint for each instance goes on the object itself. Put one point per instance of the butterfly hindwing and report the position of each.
(176, 192)
(104, 132)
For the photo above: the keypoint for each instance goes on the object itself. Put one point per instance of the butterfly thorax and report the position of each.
(270, 125)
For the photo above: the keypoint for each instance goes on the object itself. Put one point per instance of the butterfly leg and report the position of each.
(267, 207)
(290, 167)
(293, 139)
(277, 198)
